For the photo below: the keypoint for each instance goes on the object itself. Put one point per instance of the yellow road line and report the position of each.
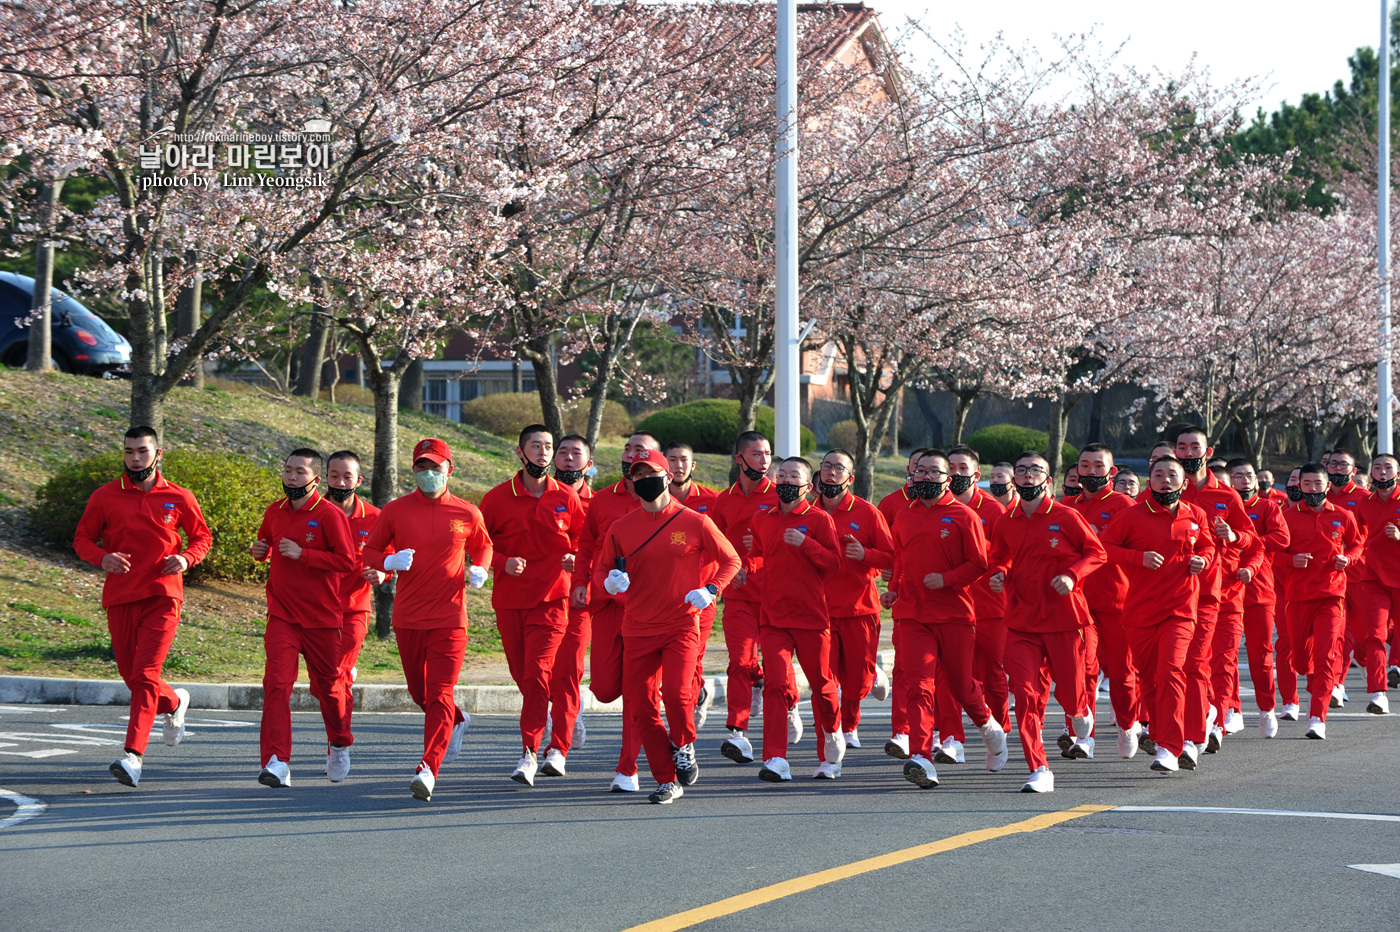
(777, 891)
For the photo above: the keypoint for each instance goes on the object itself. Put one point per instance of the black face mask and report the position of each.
(1338, 479)
(832, 491)
(1384, 485)
(568, 476)
(1247, 494)
(788, 493)
(141, 475)
(1094, 483)
(998, 489)
(960, 484)
(927, 489)
(297, 492)
(1294, 493)
(649, 488)
(340, 495)
(753, 474)
(1313, 499)
(1030, 493)
(534, 469)
(1192, 464)
(1166, 499)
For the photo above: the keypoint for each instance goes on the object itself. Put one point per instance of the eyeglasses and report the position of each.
(1032, 471)
(835, 469)
(919, 473)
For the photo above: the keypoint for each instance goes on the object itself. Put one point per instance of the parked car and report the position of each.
(82, 341)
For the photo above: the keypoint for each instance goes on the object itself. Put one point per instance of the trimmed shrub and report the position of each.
(504, 413)
(1003, 442)
(711, 424)
(233, 492)
(842, 435)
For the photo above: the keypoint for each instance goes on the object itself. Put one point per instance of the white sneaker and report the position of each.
(1165, 762)
(827, 770)
(524, 771)
(1379, 704)
(852, 740)
(704, 701)
(756, 703)
(421, 786)
(1317, 728)
(794, 725)
(554, 764)
(174, 730)
(1268, 724)
(775, 770)
(454, 744)
(1080, 749)
(1190, 755)
(737, 747)
(951, 751)
(880, 689)
(898, 747)
(1215, 737)
(354, 672)
(1083, 725)
(1339, 696)
(1290, 712)
(1211, 715)
(1128, 741)
(919, 770)
(624, 783)
(995, 738)
(338, 764)
(580, 733)
(666, 794)
(127, 769)
(275, 773)
(1040, 781)
(835, 747)
(1234, 722)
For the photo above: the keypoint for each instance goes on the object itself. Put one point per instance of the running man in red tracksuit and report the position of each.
(131, 529)
(889, 507)
(1163, 546)
(672, 562)
(1260, 601)
(605, 655)
(1284, 671)
(356, 587)
(1379, 590)
(866, 548)
(1001, 486)
(680, 462)
(794, 551)
(1229, 629)
(1041, 553)
(306, 541)
(572, 460)
(733, 513)
(425, 538)
(1105, 591)
(533, 522)
(1344, 492)
(1323, 541)
(940, 554)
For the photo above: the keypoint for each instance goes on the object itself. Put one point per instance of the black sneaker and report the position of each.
(687, 770)
(1064, 741)
(1147, 745)
(667, 793)
(1393, 677)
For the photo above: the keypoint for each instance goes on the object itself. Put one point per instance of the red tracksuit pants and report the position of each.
(989, 670)
(1354, 606)
(530, 638)
(741, 637)
(432, 662)
(660, 668)
(1314, 625)
(1377, 604)
(566, 679)
(812, 648)
(1198, 673)
(1116, 659)
(899, 690)
(353, 628)
(707, 627)
(1284, 672)
(1160, 652)
(285, 644)
(142, 632)
(1259, 647)
(605, 660)
(1027, 653)
(939, 654)
(855, 640)
(1225, 661)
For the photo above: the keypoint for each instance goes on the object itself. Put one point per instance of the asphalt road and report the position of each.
(201, 845)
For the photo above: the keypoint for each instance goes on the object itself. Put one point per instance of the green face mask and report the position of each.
(431, 481)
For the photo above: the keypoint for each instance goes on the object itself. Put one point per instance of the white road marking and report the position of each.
(21, 710)
(1389, 870)
(26, 808)
(84, 740)
(40, 754)
(1356, 816)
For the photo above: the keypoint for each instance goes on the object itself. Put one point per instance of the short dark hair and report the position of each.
(646, 433)
(529, 430)
(142, 430)
(1343, 451)
(1003, 465)
(840, 452)
(1313, 468)
(310, 454)
(1123, 473)
(801, 461)
(1097, 448)
(933, 451)
(1168, 459)
(1032, 454)
(1180, 429)
(676, 445)
(1237, 462)
(576, 437)
(1162, 445)
(1390, 456)
(971, 453)
(743, 440)
(917, 452)
(347, 455)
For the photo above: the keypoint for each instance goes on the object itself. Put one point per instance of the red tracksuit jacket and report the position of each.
(891, 505)
(1272, 533)
(1217, 499)
(734, 514)
(687, 553)
(605, 507)
(945, 538)
(699, 499)
(986, 604)
(120, 518)
(1350, 497)
(356, 593)
(1382, 554)
(1033, 550)
(441, 532)
(541, 530)
(306, 591)
(851, 589)
(1170, 591)
(794, 593)
(1325, 534)
(1106, 588)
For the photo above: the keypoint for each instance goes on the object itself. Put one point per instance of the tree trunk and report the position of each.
(962, 407)
(314, 353)
(385, 478)
(411, 390)
(187, 313)
(1059, 419)
(750, 395)
(1096, 418)
(162, 325)
(546, 384)
(41, 327)
(935, 425)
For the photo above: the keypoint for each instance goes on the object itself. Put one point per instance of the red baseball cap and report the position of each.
(433, 449)
(653, 457)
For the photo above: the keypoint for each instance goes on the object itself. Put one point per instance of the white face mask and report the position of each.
(431, 481)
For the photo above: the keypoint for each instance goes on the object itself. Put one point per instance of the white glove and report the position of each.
(477, 575)
(701, 598)
(616, 582)
(400, 561)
